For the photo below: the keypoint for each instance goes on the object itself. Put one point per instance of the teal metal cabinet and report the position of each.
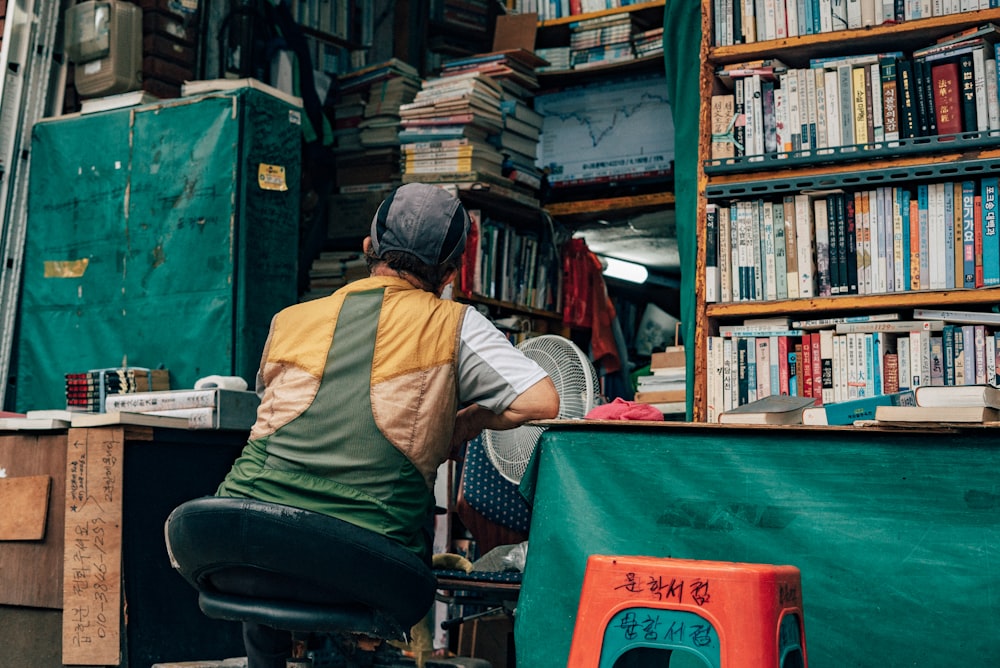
(164, 234)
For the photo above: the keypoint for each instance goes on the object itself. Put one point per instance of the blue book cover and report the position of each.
(968, 234)
(846, 412)
(991, 240)
(904, 210)
(924, 270)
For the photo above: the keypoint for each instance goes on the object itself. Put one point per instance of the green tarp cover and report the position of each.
(150, 241)
(897, 535)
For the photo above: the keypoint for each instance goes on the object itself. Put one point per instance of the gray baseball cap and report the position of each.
(423, 220)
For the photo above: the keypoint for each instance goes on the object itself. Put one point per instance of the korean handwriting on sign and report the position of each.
(646, 627)
(661, 588)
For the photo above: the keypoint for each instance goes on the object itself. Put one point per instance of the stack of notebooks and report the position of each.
(665, 387)
(367, 121)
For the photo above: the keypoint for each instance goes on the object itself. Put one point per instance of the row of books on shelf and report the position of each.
(935, 236)
(873, 99)
(926, 406)
(504, 263)
(205, 408)
(837, 360)
(746, 21)
(349, 20)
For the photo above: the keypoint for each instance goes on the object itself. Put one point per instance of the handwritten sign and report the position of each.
(92, 558)
(659, 588)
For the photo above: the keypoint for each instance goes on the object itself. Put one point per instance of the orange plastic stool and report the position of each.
(721, 614)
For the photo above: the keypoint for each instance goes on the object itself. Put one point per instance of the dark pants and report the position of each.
(266, 647)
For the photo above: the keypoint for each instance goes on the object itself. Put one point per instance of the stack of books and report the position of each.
(648, 42)
(601, 40)
(86, 391)
(333, 270)
(944, 404)
(446, 126)
(208, 408)
(665, 387)
(367, 122)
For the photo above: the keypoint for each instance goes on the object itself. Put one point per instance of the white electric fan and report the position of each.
(576, 382)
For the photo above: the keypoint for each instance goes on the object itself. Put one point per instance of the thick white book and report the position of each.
(958, 395)
(144, 402)
(124, 418)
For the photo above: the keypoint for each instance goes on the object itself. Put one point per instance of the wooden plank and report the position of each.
(25, 503)
(92, 595)
(31, 571)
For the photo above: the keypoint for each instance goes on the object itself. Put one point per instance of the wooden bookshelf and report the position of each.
(867, 169)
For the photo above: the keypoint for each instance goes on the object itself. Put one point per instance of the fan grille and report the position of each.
(576, 382)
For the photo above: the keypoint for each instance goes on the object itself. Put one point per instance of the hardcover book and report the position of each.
(773, 409)
(846, 412)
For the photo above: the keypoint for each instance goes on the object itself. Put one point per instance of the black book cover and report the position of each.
(909, 123)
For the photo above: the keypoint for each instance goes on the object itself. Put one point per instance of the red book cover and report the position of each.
(914, 245)
(817, 369)
(978, 230)
(947, 97)
(807, 366)
(783, 371)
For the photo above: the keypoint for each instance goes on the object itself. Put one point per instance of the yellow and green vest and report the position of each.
(358, 409)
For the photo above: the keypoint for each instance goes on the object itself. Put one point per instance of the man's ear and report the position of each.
(366, 245)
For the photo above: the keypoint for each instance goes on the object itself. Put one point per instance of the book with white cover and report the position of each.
(958, 395)
(933, 415)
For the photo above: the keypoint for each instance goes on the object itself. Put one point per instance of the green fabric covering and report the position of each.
(897, 535)
(681, 48)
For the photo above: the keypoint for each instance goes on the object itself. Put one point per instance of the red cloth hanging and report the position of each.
(586, 302)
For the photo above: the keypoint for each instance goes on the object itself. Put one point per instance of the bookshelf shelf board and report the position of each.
(920, 146)
(889, 301)
(950, 166)
(796, 51)
(592, 209)
(549, 79)
(566, 20)
(500, 200)
(508, 306)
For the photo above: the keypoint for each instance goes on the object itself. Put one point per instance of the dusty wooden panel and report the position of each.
(31, 571)
(92, 595)
(25, 503)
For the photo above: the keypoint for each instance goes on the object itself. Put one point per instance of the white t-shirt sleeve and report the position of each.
(491, 371)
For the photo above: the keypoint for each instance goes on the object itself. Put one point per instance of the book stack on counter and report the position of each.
(851, 365)
(86, 391)
(937, 405)
(208, 408)
(333, 270)
(475, 123)
(665, 387)
(367, 121)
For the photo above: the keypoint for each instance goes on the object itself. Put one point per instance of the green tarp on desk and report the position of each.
(151, 240)
(897, 534)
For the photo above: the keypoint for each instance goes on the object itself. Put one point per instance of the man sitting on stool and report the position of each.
(365, 393)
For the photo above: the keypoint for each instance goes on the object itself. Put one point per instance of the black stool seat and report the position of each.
(296, 570)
